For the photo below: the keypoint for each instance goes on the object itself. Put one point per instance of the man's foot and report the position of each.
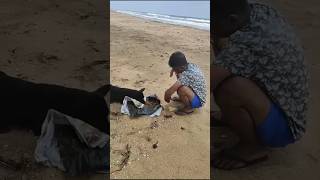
(239, 157)
(223, 138)
(184, 111)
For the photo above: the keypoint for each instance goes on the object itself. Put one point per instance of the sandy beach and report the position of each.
(300, 160)
(57, 42)
(140, 50)
(65, 43)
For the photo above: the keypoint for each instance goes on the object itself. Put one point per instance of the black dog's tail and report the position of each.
(103, 90)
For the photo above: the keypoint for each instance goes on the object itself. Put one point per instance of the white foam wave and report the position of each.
(198, 23)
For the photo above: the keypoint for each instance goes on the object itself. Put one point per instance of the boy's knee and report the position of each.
(185, 91)
(182, 90)
(230, 88)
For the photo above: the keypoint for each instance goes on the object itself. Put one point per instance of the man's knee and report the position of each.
(230, 88)
(183, 90)
(186, 93)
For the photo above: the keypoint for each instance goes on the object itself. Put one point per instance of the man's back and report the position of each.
(194, 78)
(268, 52)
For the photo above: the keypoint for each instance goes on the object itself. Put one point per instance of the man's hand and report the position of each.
(167, 96)
(171, 73)
(171, 90)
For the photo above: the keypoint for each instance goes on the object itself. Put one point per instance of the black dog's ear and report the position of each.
(141, 90)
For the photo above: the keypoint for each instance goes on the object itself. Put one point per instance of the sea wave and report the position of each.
(198, 23)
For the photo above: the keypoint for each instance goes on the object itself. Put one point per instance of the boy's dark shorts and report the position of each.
(275, 131)
(196, 102)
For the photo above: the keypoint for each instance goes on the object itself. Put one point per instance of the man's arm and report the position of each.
(217, 75)
(171, 90)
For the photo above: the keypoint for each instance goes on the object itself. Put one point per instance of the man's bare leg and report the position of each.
(244, 106)
(186, 96)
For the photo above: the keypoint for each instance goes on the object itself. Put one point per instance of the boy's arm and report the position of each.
(171, 90)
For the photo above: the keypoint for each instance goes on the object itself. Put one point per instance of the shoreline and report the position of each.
(159, 21)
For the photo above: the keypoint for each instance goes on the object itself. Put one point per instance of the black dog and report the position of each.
(117, 94)
(25, 104)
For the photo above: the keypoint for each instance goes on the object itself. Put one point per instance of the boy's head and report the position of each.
(178, 61)
(229, 16)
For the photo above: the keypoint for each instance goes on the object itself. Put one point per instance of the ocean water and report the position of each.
(198, 23)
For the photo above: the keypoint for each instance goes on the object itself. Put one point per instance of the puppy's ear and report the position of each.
(141, 90)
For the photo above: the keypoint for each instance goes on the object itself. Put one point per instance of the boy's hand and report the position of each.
(171, 90)
(167, 96)
(171, 72)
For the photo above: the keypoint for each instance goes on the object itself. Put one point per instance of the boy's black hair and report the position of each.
(177, 59)
(223, 8)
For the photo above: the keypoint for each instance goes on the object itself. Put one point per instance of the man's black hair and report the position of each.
(177, 59)
(228, 16)
(223, 8)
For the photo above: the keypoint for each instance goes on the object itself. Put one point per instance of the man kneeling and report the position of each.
(190, 85)
(260, 81)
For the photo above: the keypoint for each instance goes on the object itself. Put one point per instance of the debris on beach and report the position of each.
(124, 161)
(115, 113)
(154, 125)
(167, 116)
(148, 138)
(22, 163)
(155, 145)
(8, 164)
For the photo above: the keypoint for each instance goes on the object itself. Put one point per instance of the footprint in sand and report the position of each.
(90, 66)
(148, 138)
(46, 58)
(139, 83)
(124, 80)
(92, 45)
(154, 125)
(85, 16)
(12, 51)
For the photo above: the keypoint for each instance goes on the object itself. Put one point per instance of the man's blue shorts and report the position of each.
(196, 102)
(275, 131)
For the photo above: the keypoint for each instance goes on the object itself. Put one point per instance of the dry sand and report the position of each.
(50, 41)
(139, 59)
(300, 160)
